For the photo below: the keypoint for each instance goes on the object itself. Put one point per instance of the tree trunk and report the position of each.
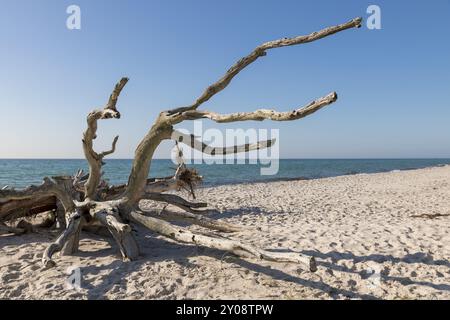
(85, 200)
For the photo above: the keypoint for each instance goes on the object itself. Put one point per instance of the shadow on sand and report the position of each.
(414, 258)
(180, 253)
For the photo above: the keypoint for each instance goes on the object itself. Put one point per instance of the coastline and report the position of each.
(300, 178)
(381, 235)
(20, 173)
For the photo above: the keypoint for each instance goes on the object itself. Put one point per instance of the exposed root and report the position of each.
(69, 239)
(193, 219)
(86, 199)
(192, 207)
(236, 247)
(120, 231)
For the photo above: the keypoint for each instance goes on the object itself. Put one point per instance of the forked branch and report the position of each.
(47, 189)
(120, 231)
(261, 51)
(163, 127)
(117, 206)
(173, 199)
(236, 247)
(263, 114)
(191, 141)
(192, 218)
(64, 240)
(95, 159)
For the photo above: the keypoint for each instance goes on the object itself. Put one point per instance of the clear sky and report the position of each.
(393, 84)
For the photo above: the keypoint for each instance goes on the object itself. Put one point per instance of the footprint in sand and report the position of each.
(13, 267)
(27, 256)
(11, 276)
(16, 292)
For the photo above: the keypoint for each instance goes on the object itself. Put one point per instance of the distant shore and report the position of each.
(381, 235)
(281, 179)
(20, 173)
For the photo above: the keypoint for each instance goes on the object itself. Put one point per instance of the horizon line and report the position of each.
(307, 158)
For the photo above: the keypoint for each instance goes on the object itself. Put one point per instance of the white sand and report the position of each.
(352, 224)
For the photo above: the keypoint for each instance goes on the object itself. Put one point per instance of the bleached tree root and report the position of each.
(192, 207)
(192, 218)
(68, 240)
(121, 232)
(47, 189)
(236, 247)
(87, 200)
(175, 200)
(95, 159)
(15, 209)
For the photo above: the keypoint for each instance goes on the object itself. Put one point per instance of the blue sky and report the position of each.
(393, 84)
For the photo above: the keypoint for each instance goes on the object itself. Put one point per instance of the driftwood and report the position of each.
(84, 200)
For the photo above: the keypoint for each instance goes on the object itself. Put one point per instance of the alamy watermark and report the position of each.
(74, 280)
(73, 21)
(374, 19)
(374, 280)
(235, 146)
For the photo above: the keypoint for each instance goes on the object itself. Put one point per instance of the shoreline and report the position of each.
(27, 172)
(394, 223)
(283, 179)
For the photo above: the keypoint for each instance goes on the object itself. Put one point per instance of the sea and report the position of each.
(19, 173)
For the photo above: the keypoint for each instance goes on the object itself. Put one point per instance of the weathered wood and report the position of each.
(162, 129)
(71, 232)
(47, 189)
(4, 229)
(192, 218)
(87, 200)
(120, 231)
(236, 247)
(95, 159)
(137, 179)
(191, 141)
(260, 51)
(193, 207)
(263, 114)
(15, 209)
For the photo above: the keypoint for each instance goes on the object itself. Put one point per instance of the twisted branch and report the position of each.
(191, 141)
(119, 203)
(120, 231)
(64, 240)
(192, 218)
(47, 189)
(95, 159)
(178, 202)
(162, 129)
(236, 247)
(263, 114)
(260, 51)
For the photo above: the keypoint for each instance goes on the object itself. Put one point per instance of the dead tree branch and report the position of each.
(260, 51)
(192, 218)
(263, 114)
(162, 129)
(86, 199)
(95, 159)
(240, 249)
(191, 141)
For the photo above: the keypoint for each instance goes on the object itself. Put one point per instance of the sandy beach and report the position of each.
(384, 235)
